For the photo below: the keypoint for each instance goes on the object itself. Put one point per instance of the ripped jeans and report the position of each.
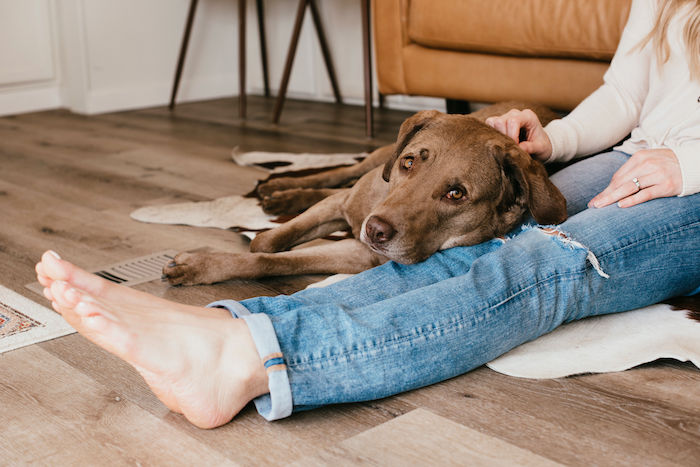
(399, 327)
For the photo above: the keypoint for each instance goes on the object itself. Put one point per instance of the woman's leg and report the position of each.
(379, 283)
(606, 260)
(578, 182)
(197, 361)
(331, 353)
(582, 180)
(393, 280)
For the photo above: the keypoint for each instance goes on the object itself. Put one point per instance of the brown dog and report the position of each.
(451, 180)
(293, 194)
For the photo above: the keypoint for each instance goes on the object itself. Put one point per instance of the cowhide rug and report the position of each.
(604, 344)
(593, 345)
(244, 213)
(230, 212)
(285, 162)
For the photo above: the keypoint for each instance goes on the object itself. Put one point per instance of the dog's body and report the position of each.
(291, 195)
(449, 180)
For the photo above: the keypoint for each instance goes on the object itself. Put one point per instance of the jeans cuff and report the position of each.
(278, 403)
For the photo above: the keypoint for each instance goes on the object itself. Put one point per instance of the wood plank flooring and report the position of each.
(69, 182)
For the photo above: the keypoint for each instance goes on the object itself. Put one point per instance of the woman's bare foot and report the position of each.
(199, 362)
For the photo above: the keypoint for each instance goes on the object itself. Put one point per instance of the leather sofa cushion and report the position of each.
(582, 29)
(560, 83)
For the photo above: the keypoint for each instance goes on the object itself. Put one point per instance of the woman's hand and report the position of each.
(648, 174)
(536, 142)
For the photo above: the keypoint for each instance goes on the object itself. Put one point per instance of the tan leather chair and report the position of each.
(554, 52)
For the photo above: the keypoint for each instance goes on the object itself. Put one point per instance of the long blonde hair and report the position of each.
(691, 33)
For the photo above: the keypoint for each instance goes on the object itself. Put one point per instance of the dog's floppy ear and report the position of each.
(515, 189)
(531, 186)
(547, 204)
(409, 128)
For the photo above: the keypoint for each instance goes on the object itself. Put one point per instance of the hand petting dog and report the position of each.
(648, 174)
(536, 142)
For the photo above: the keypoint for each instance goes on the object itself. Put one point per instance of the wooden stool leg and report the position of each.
(324, 49)
(263, 46)
(367, 55)
(183, 52)
(282, 93)
(241, 58)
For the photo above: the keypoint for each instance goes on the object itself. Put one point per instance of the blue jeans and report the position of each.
(399, 327)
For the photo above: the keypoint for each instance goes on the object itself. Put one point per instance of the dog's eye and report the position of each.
(407, 162)
(455, 194)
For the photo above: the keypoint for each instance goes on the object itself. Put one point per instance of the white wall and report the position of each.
(28, 56)
(94, 56)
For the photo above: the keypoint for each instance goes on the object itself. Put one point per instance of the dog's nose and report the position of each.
(378, 230)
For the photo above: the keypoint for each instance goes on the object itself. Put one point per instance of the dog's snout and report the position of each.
(378, 230)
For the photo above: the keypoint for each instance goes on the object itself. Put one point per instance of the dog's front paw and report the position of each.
(287, 202)
(190, 269)
(268, 242)
(276, 184)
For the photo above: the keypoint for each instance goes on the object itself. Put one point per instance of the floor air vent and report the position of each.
(129, 273)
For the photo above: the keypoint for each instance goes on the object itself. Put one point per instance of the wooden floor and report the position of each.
(69, 182)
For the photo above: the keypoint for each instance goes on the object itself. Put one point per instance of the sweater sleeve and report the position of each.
(613, 110)
(688, 156)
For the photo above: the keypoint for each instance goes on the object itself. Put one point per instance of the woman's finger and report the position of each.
(621, 188)
(642, 196)
(497, 123)
(621, 184)
(513, 125)
(635, 167)
(613, 193)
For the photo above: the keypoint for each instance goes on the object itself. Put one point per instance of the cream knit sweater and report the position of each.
(658, 104)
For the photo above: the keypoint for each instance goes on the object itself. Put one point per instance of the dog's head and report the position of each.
(453, 180)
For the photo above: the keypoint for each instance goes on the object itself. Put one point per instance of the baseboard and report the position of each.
(15, 101)
(157, 94)
(22, 100)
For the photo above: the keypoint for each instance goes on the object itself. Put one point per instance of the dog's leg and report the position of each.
(296, 200)
(342, 257)
(205, 268)
(320, 220)
(334, 178)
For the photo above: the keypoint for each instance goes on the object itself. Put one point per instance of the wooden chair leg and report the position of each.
(367, 57)
(325, 50)
(183, 52)
(282, 93)
(241, 58)
(263, 46)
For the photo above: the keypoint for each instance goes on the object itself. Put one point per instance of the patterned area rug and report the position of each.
(24, 322)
